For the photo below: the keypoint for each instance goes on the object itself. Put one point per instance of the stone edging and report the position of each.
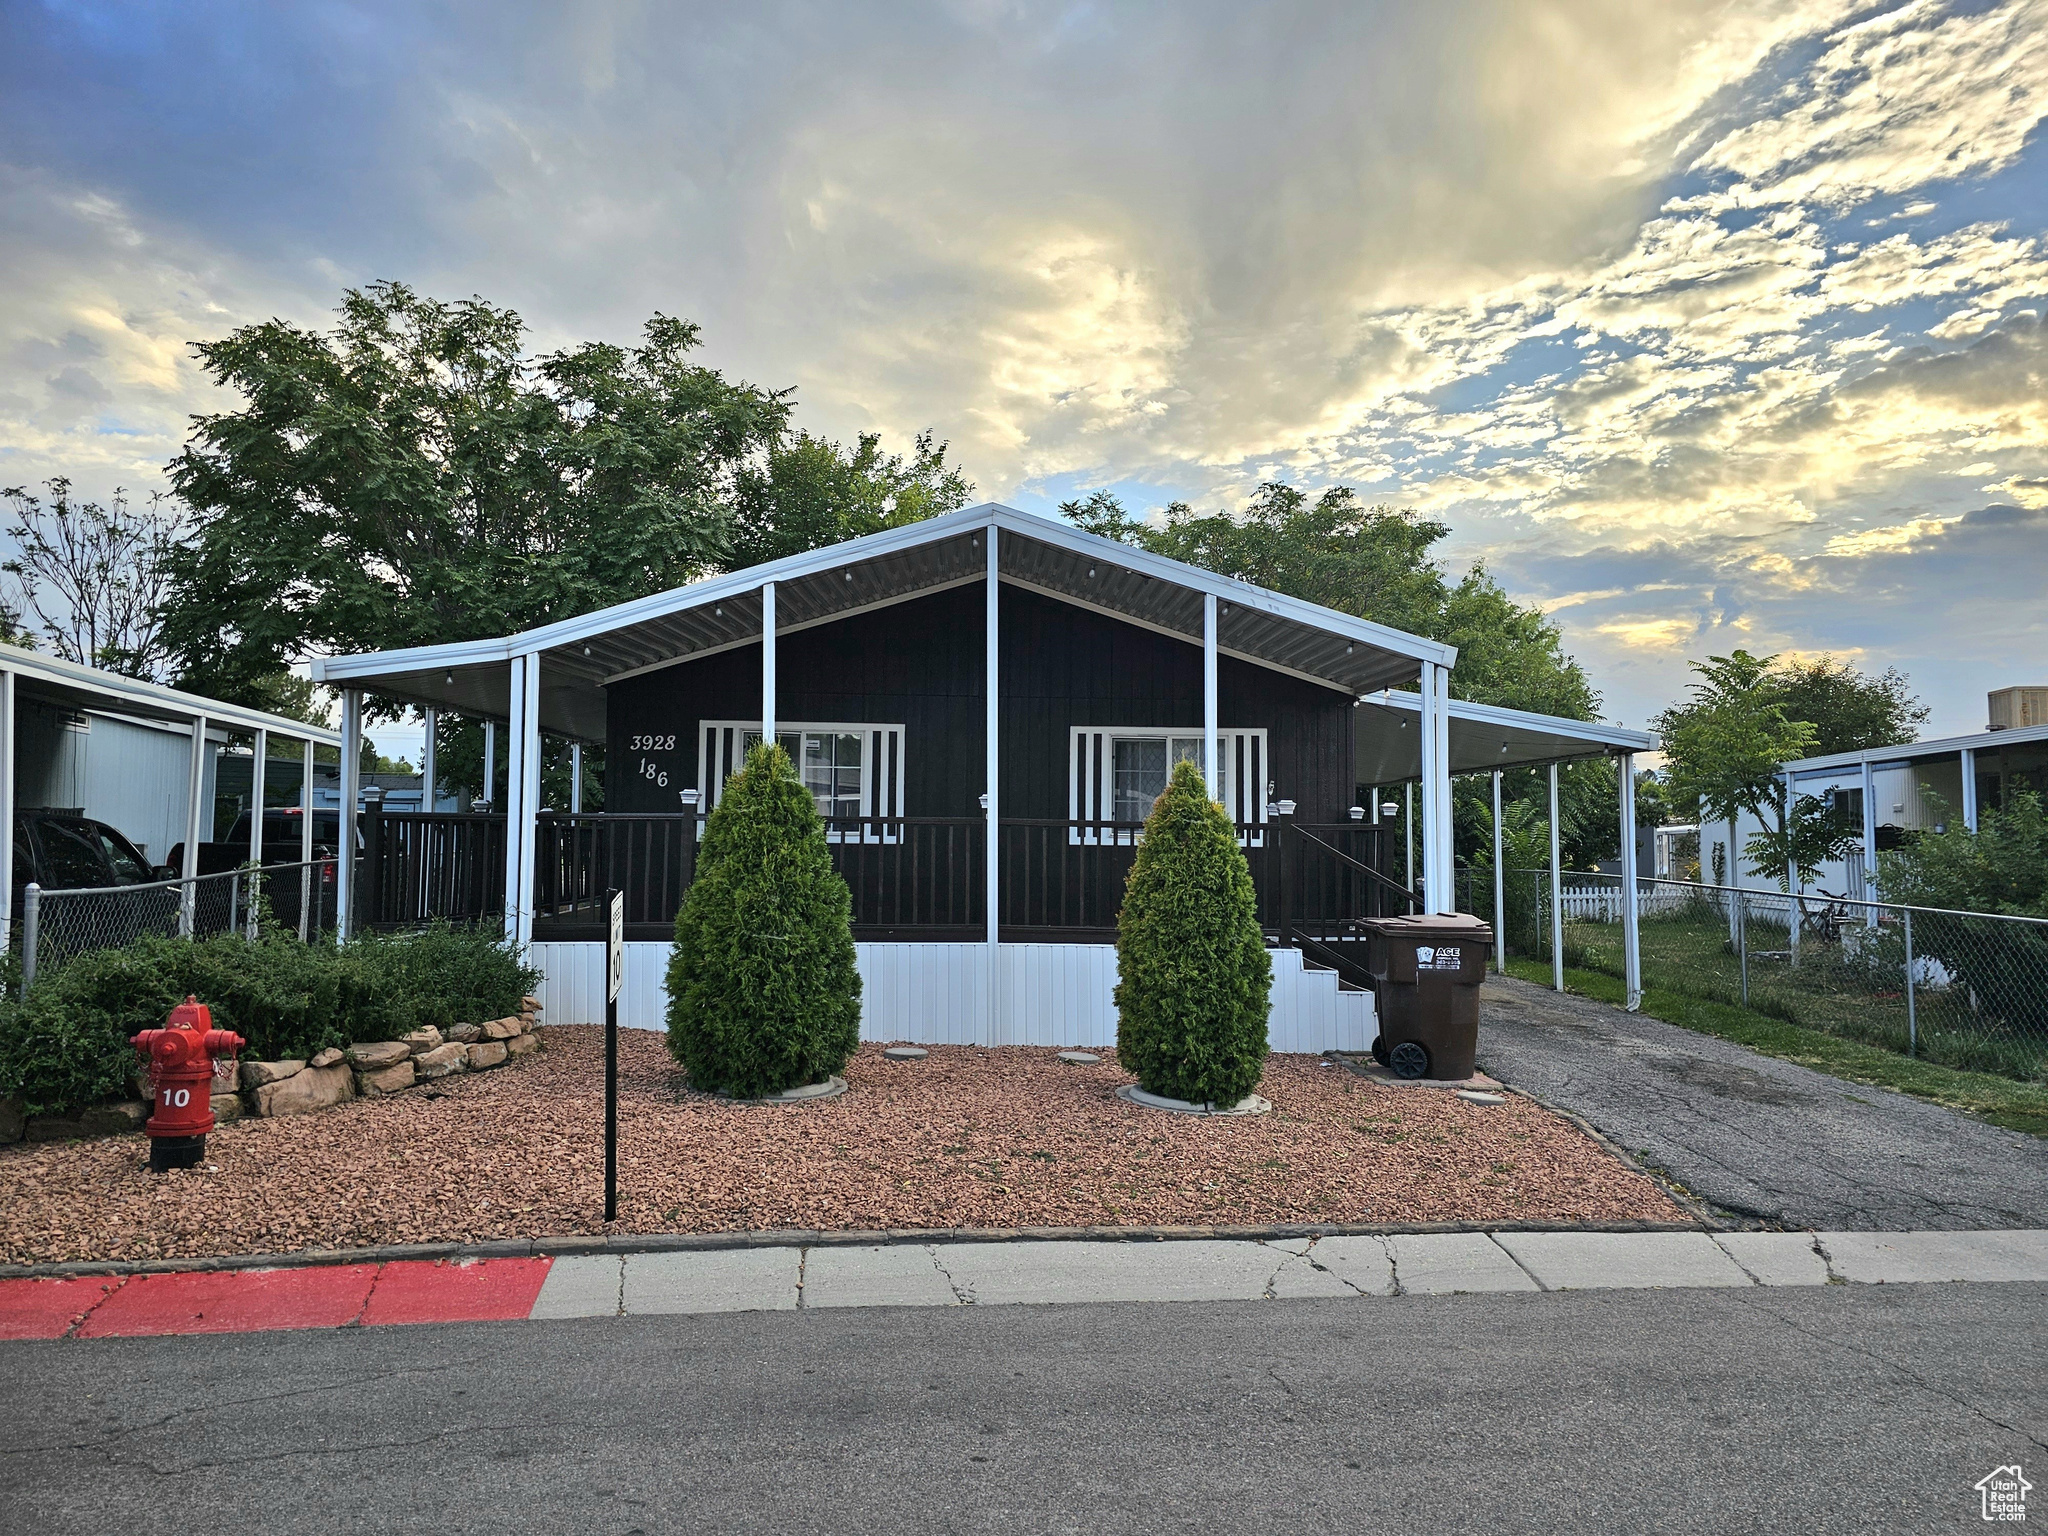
(713, 1242)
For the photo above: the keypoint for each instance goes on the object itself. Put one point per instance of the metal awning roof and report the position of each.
(51, 679)
(1388, 740)
(580, 656)
(1917, 751)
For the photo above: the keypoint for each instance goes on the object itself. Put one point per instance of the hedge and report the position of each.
(763, 992)
(1193, 976)
(67, 1044)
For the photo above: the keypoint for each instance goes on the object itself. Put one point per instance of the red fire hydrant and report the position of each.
(181, 1058)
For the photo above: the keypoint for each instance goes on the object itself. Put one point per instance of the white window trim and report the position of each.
(1090, 786)
(719, 750)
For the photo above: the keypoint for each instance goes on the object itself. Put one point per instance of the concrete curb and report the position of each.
(712, 1242)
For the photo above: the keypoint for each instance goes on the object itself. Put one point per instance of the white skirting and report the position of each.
(937, 994)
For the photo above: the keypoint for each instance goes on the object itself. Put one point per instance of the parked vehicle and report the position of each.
(281, 833)
(63, 852)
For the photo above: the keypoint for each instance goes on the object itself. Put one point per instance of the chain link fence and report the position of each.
(56, 926)
(1964, 989)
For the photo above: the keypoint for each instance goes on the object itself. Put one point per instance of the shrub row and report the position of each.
(66, 1045)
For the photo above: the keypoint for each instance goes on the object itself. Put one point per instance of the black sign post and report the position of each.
(615, 978)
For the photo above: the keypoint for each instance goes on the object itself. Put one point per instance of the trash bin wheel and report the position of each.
(1379, 1049)
(1408, 1059)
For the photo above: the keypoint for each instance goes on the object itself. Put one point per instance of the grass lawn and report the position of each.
(2018, 1106)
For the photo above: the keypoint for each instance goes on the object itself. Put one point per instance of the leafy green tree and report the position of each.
(808, 492)
(1848, 710)
(763, 993)
(1193, 976)
(1377, 563)
(413, 476)
(1725, 748)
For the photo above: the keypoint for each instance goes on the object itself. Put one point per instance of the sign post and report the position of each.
(615, 979)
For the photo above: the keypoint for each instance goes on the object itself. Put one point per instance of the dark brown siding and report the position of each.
(921, 663)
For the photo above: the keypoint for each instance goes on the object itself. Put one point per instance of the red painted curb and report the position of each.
(46, 1309)
(233, 1301)
(455, 1291)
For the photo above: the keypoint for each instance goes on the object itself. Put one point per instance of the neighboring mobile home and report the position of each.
(985, 706)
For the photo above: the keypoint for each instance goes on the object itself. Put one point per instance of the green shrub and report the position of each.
(763, 993)
(67, 1044)
(1193, 976)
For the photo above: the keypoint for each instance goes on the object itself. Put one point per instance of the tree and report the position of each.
(1376, 563)
(1849, 711)
(808, 492)
(1193, 976)
(412, 476)
(1725, 747)
(763, 992)
(91, 577)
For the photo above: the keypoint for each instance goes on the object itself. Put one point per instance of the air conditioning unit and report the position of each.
(2016, 708)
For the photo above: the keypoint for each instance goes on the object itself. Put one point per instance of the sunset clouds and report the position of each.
(1705, 325)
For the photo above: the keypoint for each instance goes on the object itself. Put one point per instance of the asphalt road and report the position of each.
(1844, 1408)
(1759, 1137)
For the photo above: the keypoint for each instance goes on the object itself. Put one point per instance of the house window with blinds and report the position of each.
(853, 771)
(1115, 774)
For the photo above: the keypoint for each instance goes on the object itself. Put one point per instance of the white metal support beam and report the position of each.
(576, 778)
(195, 796)
(1631, 925)
(351, 792)
(1500, 898)
(992, 771)
(258, 761)
(6, 809)
(1556, 891)
(490, 790)
(529, 798)
(767, 663)
(515, 781)
(1436, 790)
(1869, 843)
(429, 759)
(1212, 765)
(1408, 830)
(1969, 766)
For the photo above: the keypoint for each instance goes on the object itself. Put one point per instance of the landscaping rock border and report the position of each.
(265, 1089)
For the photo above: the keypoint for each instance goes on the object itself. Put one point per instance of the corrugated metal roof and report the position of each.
(1388, 740)
(75, 686)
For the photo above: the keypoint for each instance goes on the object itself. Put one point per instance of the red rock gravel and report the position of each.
(1007, 1137)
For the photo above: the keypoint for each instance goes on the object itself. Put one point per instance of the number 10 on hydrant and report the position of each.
(181, 1057)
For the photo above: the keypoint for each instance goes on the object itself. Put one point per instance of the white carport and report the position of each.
(1392, 745)
(31, 675)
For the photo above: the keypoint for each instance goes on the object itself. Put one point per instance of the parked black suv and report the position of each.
(281, 832)
(62, 852)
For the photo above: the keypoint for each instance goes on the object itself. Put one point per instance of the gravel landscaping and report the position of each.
(967, 1137)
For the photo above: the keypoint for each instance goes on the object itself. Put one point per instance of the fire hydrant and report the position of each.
(181, 1056)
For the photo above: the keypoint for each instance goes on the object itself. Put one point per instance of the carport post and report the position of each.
(1869, 845)
(1556, 892)
(1500, 898)
(768, 665)
(306, 846)
(992, 771)
(195, 792)
(1631, 925)
(351, 788)
(1438, 896)
(256, 762)
(428, 765)
(1211, 765)
(490, 789)
(1408, 820)
(7, 809)
(1969, 767)
(576, 778)
(529, 761)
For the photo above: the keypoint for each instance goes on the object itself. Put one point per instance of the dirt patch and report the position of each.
(1006, 1137)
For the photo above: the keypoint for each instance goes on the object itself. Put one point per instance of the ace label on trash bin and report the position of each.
(1430, 957)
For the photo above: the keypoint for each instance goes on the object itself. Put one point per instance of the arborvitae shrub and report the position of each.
(763, 994)
(1193, 976)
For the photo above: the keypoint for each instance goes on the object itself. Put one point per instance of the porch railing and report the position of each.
(910, 877)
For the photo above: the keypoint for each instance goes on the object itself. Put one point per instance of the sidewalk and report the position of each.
(797, 1278)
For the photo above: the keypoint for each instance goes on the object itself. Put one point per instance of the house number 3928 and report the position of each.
(651, 744)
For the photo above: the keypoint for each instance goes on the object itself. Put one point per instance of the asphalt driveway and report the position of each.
(1756, 1137)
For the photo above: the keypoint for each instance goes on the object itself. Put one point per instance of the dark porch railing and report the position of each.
(910, 877)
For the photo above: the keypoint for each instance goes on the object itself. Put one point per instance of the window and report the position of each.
(1116, 774)
(853, 771)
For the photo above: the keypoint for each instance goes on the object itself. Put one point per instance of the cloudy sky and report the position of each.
(1704, 325)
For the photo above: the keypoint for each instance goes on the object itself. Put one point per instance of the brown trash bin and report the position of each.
(1426, 972)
